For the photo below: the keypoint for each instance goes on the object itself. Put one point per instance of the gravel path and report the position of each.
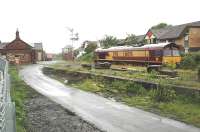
(47, 116)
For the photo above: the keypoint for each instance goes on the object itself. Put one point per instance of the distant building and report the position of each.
(18, 50)
(187, 35)
(67, 53)
(39, 52)
(49, 57)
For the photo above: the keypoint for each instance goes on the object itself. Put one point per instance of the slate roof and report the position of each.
(172, 32)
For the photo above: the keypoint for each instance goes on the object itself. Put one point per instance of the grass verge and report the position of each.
(186, 78)
(164, 102)
(19, 91)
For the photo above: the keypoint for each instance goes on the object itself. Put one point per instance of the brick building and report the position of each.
(68, 53)
(18, 50)
(187, 35)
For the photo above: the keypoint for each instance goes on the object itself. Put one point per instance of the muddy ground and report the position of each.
(43, 115)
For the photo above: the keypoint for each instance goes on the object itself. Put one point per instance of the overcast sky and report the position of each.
(46, 21)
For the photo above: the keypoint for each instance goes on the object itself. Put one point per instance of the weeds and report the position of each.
(136, 89)
(18, 95)
(198, 74)
(163, 100)
(163, 93)
(190, 61)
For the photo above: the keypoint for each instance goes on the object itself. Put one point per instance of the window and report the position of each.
(186, 37)
(158, 53)
(176, 52)
(102, 55)
(167, 53)
(128, 54)
(115, 54)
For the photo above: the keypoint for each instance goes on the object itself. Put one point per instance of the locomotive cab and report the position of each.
(171, 54)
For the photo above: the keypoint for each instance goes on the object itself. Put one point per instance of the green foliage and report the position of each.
(170, 66)
(190, 60)
(124, 88)
(18, 95)
(108, 41)
(131, 39)
(143, 102)
(116, 86)
(89, 85)
(163, 93)
(160, 26)
(162, 100)
(87, 57)
(76, 52)
(90, 48)
(152, 75)
(198, 73)
(136, 89)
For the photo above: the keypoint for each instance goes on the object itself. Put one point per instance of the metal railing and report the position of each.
(7, 107)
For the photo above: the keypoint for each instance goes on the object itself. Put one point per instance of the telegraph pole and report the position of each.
(73, 37)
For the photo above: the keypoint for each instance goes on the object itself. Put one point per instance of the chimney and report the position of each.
(17, 34)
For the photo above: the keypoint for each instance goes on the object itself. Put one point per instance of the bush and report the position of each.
(123, 87)
(136, 89)
(90, 48)
(87, 57)
(120, 86)
(190, 61)
(163, 93)
(198, 74)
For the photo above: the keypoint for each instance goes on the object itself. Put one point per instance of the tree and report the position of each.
(131, 39)
(76, 52)
(160, 26)
(108, 41)
(90, 47)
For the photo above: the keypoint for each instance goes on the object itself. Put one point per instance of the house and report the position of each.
(18, 50)
(186, 35)
(39, 52)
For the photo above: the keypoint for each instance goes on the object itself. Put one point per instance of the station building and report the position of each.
(21, 51)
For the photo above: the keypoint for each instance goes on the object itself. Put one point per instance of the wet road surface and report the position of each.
(105, 114)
